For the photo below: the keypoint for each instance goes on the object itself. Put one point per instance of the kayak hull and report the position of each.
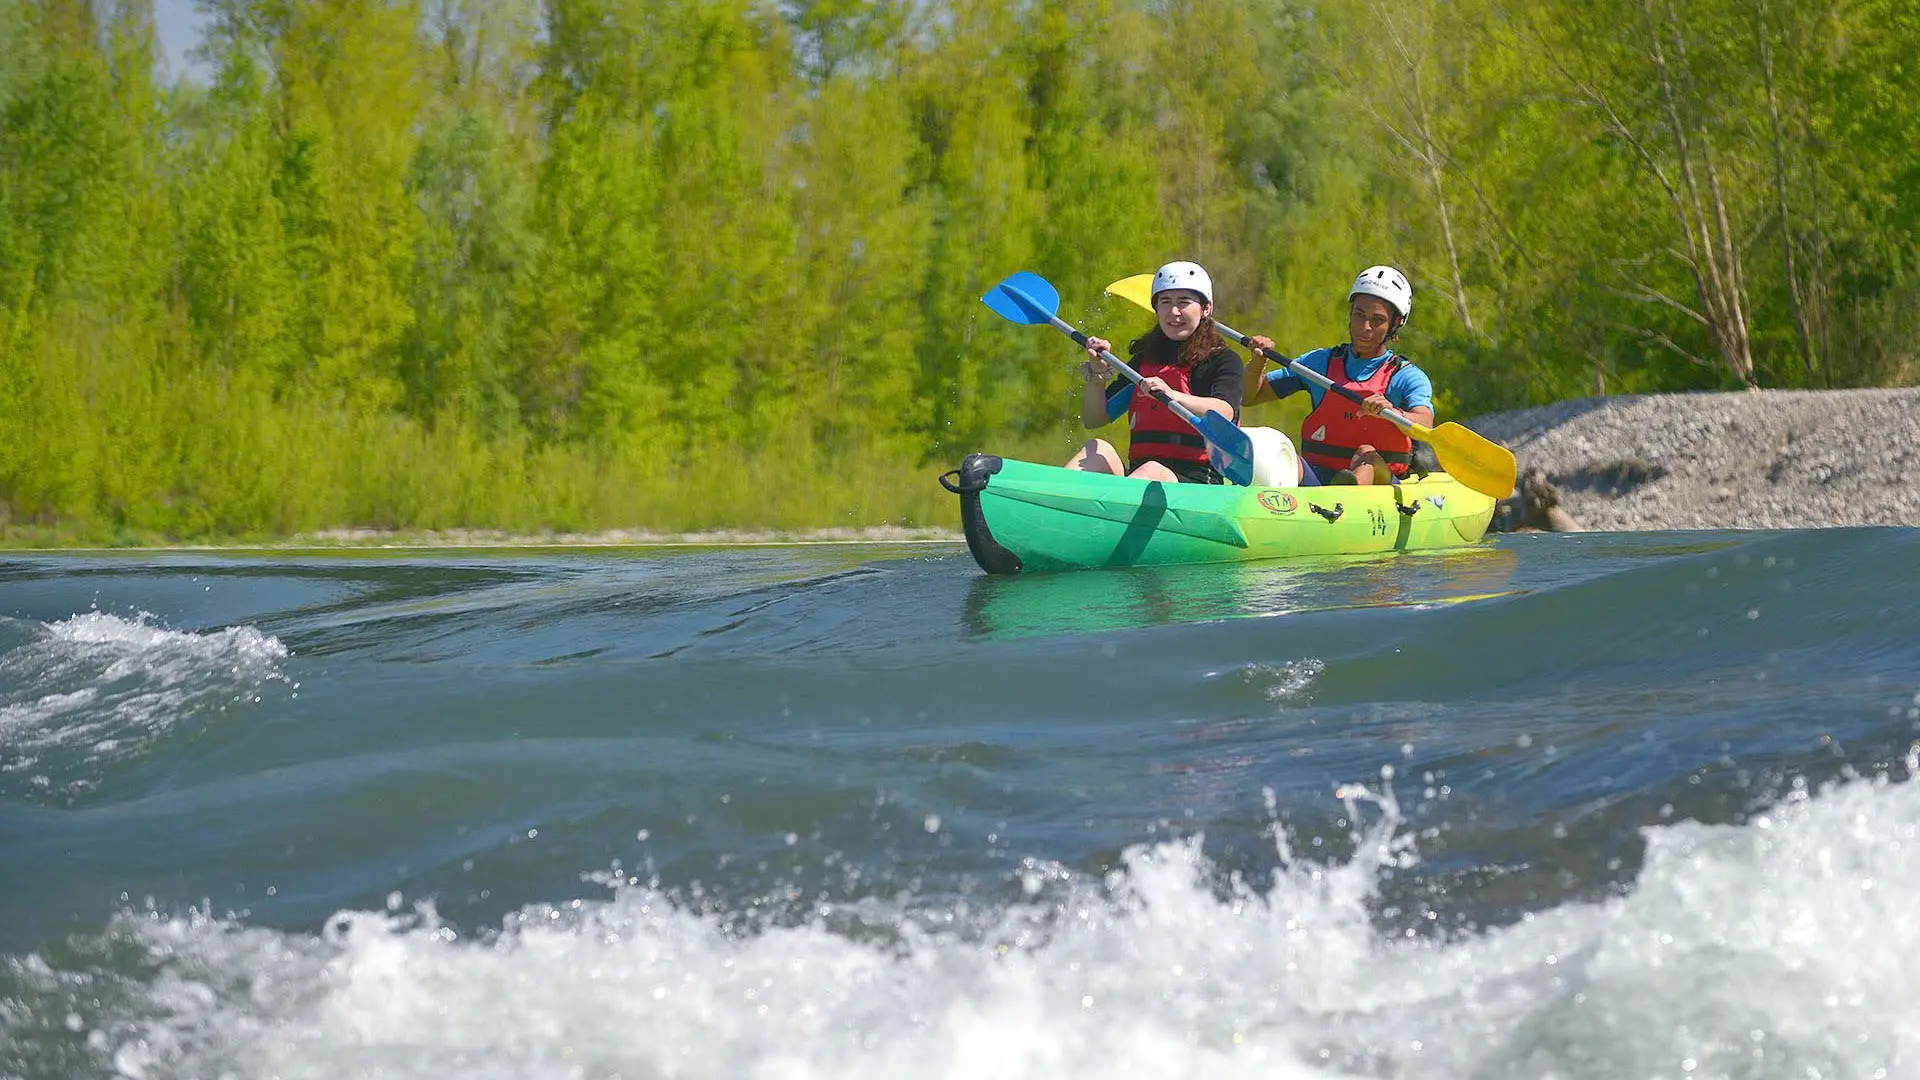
(1020, 517)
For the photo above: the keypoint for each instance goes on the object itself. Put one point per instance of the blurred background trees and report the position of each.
(680, 263)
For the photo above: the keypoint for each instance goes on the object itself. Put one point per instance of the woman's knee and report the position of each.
(1153, 470)
(1096, 455)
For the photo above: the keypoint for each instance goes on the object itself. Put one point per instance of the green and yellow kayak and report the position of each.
(1020, 517)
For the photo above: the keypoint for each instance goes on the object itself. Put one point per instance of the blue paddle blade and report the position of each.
(1025, 298)
(1231, 450)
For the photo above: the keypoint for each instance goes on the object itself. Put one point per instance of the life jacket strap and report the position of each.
(1167, 438)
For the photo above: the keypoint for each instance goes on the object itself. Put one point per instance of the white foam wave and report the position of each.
(98, 686)
(1772, 949)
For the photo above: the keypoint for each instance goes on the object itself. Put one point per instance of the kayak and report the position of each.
(1020, 517)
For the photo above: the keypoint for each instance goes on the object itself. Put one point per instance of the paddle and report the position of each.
(1029, 299)
(1467, 456)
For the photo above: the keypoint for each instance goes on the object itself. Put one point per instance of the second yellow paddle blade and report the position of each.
(1471, 458)
(1137, 289)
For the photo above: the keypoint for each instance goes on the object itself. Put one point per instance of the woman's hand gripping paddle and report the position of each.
(1467, 456)
(1029, 299)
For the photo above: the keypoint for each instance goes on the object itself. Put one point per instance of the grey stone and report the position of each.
(1740, 460)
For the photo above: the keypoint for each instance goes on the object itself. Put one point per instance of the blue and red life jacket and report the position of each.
(1336, 428)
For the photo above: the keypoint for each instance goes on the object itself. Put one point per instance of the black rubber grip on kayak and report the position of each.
(972, 478)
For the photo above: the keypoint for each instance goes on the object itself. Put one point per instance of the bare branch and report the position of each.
(1670, 345)
(1645, 293)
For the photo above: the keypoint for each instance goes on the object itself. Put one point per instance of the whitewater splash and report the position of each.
(95, 689)
(1769, 949)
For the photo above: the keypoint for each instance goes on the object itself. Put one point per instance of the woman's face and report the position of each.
(1180, 312)
(1369, 320)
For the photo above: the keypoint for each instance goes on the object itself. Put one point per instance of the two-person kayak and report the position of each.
(1022, 517)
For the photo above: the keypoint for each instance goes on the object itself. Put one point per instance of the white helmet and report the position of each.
(1382, 281)
(1183, 275)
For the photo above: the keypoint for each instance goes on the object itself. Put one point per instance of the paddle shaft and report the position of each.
(1403, 422)
(1133, 376)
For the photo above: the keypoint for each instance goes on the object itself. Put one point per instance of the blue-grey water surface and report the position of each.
(1600, 805)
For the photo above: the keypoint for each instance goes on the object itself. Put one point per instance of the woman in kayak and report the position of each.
(1345, 443)
(1182, 357)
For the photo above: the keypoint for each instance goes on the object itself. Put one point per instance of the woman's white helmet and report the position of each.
(1382, 281)
(1183, 275)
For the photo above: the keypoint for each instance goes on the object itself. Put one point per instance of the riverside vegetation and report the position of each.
(592, 264)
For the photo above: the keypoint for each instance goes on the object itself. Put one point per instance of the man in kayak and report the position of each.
(1345, 443)
(1182, 357)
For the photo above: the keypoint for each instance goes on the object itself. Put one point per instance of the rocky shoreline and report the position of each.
(1759, 459)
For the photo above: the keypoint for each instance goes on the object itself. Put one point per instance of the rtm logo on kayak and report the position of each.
(1279, 502)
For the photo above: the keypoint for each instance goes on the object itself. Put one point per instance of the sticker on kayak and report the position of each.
(1437, 501)
(1279, 502)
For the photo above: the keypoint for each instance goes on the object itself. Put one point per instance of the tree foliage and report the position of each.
(679, 263)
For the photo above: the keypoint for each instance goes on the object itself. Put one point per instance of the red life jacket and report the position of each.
(1334, 431)
(1157, 433)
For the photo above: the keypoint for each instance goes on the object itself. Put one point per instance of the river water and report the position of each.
(1592, 805)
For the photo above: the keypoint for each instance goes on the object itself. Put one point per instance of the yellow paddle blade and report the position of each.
(1137, 289)
(1469, 457)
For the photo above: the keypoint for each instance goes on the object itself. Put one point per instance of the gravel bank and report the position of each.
(1762, 459)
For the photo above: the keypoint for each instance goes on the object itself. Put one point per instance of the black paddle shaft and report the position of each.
(1268, 354)
(1082, 340)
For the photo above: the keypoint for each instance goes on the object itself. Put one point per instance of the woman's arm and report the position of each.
(1093, 393)
(1093, 400)
(1193, 402)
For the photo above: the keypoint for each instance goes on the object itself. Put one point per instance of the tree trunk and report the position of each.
(1789, 240)
(1714, 258)
(1421, 144)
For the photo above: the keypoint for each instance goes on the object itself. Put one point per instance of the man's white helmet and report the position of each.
(1382, 281)
(1183, 275)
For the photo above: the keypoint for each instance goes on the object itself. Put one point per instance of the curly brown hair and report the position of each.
(1202, 343)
